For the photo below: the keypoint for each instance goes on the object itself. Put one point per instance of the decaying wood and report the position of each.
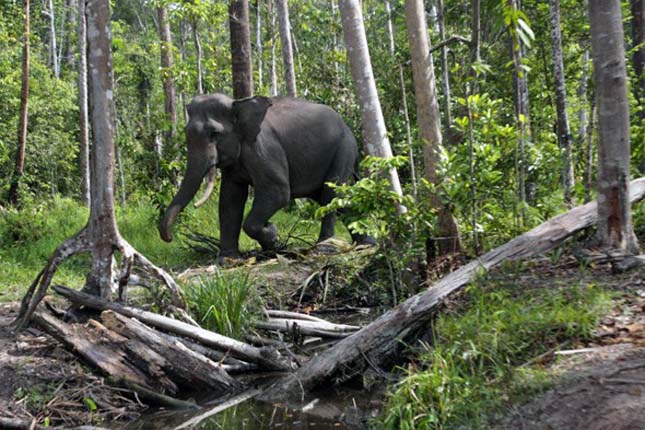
(380, 342)
(264, 358)
(185, 365)
(307, 327)
(108, 352)
(243, 397)
(270, 313)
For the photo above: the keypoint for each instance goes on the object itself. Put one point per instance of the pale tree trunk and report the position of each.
(241, 54)
(475, 38)
(84, 129)
(404, 100)
(258, 41)
(583, 96)
(522, 116)
(19, 167)
(638, 36)
(287, 47)
(71, 23)
(167, 61)
(445, 72)
(52, 39)
(273, 85)
(429, 120)
(374, 131)
(100, 237)
(199, 54)
(614, 225)
(589, 151)
(564, 132)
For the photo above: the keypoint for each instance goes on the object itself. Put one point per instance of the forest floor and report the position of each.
(598, 383)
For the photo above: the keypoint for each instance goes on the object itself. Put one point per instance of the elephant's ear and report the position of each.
(248, 115)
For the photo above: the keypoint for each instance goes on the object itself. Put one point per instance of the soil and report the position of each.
(599, 385)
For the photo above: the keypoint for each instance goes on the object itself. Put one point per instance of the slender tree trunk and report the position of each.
(614, 226)
(638, 36)
(445, 72)
(583, 96)
(475, 38)
(287, 47)
(52, 39)
(199, 54)
(589, 151)
(71, 23)
(429, 119)
(565, 139)
(374, 131)
(84, 129)
(522, 116)
(19, 167)
(273, 86)
(241, 54)
(258, 41)
(167, 63)
(404, 100)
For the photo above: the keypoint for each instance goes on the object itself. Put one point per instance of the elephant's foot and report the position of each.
(267, 236)
(228, 258)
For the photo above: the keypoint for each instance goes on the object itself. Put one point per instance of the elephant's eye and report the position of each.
(212, 135)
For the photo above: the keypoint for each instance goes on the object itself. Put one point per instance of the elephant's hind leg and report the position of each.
(328, 223)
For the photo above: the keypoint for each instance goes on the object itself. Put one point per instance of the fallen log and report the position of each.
(185, 366)
(264, 358)
(109, 352)
(243, 397)
(308, 328)
(380, 342)
(270, 313)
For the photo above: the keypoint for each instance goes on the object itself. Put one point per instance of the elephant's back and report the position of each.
(315, 140)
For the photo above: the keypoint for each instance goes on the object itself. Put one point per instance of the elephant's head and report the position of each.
(216, 130)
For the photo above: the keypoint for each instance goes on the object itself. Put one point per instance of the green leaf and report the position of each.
(90, 403)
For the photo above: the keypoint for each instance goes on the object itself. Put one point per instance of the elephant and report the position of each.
(283, 147)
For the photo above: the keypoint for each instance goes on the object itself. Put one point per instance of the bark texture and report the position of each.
(198, 53)
(53, 49)
(19, 166)
(241, 54)
(429, 119)
(282, 7)
(374, 132)
(565, 139)
(83, 106)
(258, 41)
(167, 62)
(615, 228)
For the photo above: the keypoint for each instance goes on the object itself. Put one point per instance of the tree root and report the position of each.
(78, 244)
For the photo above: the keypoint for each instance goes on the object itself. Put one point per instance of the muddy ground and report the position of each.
(599, 384)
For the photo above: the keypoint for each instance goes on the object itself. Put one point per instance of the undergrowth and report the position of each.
(227, 303)
(478, 360)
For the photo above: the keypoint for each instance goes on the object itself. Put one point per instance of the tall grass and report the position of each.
(227, 303)
(473, 364)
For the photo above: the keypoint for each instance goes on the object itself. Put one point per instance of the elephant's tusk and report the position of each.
(210, 186)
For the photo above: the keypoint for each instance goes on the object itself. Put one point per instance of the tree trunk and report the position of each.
(445, 72)
(404, 101)
(429, 119)
(52, 39)
(71, 22)
(380, 344)
(615, 228)
(374, 131)
(198, 53)
(564, 133)
(522, 114)
(241, 54)
(84, 128)
(100, 237)
(287, 47)
(19, 167)
(167, 61)
(475, 33)
(593, 112)
(258, 41)
(638, 33)
(273, 85)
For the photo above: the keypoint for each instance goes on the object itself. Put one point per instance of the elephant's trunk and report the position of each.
(210, 186)
(187, 191)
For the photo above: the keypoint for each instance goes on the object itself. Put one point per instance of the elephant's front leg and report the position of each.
(232, 199)
(267, 202)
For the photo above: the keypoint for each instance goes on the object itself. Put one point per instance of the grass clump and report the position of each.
(227, 303)
(472, 368)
